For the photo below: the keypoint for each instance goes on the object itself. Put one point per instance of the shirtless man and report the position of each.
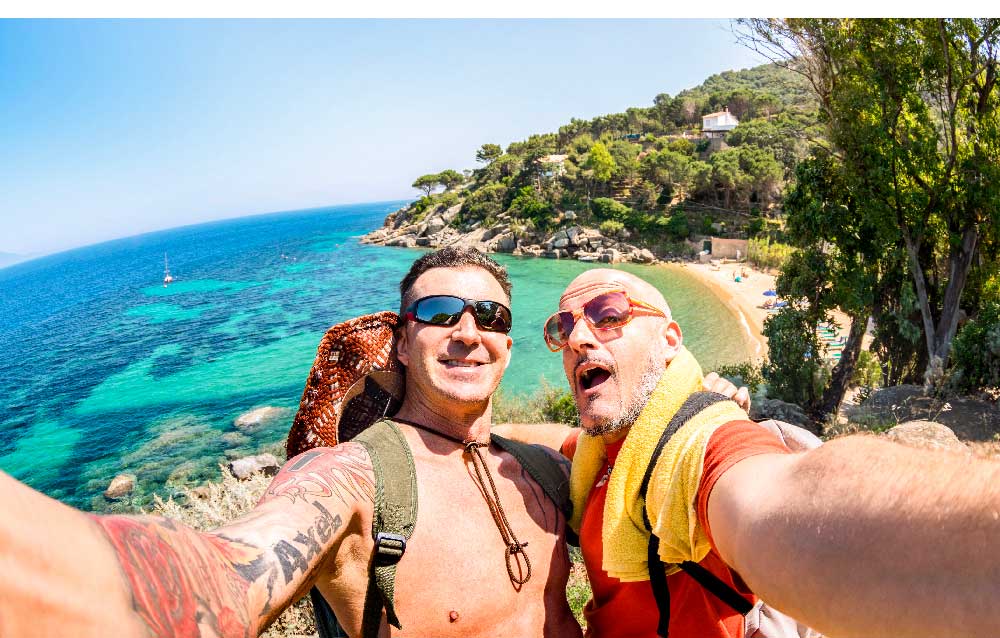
(66, 572)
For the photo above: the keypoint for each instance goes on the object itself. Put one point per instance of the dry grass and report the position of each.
(578, 588)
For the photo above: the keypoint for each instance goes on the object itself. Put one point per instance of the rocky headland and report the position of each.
(441, 227)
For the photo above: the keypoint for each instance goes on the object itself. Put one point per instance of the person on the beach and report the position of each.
(858, 537)
(68, 572)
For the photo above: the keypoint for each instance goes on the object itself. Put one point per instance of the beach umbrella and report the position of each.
(770, 293)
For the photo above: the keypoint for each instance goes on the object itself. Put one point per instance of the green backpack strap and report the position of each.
(550, 475)
(393, 519)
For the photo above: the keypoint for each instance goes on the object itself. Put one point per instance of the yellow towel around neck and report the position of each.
(673, 486)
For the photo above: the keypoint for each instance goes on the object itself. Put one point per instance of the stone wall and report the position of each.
(726, 248)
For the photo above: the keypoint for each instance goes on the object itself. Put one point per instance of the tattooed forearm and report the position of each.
(182, 582)
(346, 474)
(236, 580)
(312, 541)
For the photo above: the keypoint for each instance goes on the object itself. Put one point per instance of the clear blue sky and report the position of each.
(113, 128)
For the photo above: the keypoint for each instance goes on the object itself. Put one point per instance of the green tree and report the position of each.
(488, 152)
(450, 178)
(427, 183)
(793, 366)
(670, 169)
(912, 107)
(485, 202)
(599, 161)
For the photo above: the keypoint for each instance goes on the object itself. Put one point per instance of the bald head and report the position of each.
(598, 280)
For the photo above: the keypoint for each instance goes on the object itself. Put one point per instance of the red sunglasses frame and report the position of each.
(582, 312)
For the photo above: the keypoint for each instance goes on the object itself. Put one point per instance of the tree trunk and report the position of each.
(833, 396)
(920, 283)
(959, 264)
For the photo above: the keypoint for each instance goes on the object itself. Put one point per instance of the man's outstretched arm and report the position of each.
(863, 537)
(66, 571)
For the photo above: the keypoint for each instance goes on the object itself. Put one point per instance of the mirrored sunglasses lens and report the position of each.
(439, 311)
(493, 316)
(610, 310)
(553, 331)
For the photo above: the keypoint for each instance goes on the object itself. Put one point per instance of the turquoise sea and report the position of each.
(103, 370)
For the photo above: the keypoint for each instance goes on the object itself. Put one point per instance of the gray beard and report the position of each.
(637, 402)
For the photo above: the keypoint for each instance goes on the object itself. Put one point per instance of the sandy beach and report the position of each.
(744, 297)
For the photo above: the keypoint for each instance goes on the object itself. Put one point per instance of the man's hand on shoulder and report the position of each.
(714, 383)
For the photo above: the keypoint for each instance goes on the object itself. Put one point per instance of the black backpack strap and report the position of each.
(718, 587)
(658, 581)
(657, 574)
(550, 475)
(691, 406)
(393, 520)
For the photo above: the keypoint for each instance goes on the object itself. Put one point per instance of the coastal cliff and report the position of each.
(440, 227)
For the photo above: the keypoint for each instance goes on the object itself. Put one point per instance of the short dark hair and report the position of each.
(451, 257)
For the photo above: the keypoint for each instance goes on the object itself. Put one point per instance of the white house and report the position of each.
(718, 124)
(552, 165)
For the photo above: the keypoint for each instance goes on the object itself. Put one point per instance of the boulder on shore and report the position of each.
(247, 466)
(257, 416)
(120, 486)
(929, 435)
(763, 409)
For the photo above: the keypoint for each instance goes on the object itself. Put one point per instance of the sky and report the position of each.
(111, 128)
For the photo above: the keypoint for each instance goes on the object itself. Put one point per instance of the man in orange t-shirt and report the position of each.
(854, 537)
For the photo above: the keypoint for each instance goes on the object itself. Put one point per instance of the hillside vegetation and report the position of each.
(647, 173)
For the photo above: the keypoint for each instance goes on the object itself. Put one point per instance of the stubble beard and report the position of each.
(637, 402)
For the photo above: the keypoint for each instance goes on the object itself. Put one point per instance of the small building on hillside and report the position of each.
(715, 125)
(552, 165)
(729, 248)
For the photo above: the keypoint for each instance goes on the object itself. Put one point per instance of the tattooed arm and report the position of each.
(118, 575)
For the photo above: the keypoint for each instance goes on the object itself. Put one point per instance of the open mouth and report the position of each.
(591, 375)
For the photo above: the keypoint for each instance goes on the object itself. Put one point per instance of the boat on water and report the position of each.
(167, 278)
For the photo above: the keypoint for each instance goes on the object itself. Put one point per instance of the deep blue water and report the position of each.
(103, 370)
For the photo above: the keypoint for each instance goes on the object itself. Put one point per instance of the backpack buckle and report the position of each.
(389, 548)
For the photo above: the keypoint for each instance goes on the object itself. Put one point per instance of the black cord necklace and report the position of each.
(515, 548)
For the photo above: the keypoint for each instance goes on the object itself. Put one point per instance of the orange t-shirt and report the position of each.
(628, 610)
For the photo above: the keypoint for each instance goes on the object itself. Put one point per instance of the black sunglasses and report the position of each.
(446, 310)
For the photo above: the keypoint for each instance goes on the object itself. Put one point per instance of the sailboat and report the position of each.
(166, 271)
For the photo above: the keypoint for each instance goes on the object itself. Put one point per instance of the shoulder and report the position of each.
(343, 472)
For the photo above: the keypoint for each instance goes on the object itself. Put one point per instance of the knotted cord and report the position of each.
(514, 546)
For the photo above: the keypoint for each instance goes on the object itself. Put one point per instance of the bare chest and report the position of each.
(458, 576)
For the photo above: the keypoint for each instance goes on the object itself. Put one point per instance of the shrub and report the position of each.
(607, 208)
(706, 225)
(867, 371)
(484, 202)
(560, 408)
(546, 404)
(747, 373)
(527, 205)
(677, 227)
(611, 228)
(976, 349)
(764, 253)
